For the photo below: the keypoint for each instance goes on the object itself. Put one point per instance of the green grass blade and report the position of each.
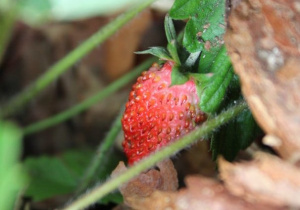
(7, 19)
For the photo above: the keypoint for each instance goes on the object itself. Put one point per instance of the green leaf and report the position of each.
(13, 178)
(49, 177)
(52, 176)
(206, 22)
(76, 161)
(207, 59)
(235, 136)
(214, 92)
(177, 77)
(159, 52)
(221, 61)
(183, 9)
(247, 130)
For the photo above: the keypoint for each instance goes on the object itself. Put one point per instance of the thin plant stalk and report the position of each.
(20, 100)
(99, 192)
(56, 119)
(7, 20)
(101, 155)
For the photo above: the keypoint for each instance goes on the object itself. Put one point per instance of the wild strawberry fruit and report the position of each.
(157, 113)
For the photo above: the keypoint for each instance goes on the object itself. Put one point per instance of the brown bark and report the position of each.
(267, 179)
(263, 41)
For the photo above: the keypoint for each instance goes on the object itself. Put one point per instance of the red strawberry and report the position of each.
(157, 114)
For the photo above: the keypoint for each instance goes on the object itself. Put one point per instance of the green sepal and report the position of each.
(169, 29)
(203, 79)
(159, 52)
(172, 48)
(178, 78)
(192, 61)
(171, 37)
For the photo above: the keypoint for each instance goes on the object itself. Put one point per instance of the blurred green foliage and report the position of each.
(36, 12)
(52, 176)
(13, 177)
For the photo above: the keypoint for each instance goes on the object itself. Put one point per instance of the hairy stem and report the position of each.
(17, 102)
(56, 119)
(112, 184)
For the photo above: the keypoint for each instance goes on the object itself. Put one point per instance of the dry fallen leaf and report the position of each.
(201, 193)
(164, 178)
(266, 179)
(263, 41)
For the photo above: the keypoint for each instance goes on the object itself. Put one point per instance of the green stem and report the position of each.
(7, 19)
(101, 155)
(64, 64)
(88, 102)
(102, 190)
